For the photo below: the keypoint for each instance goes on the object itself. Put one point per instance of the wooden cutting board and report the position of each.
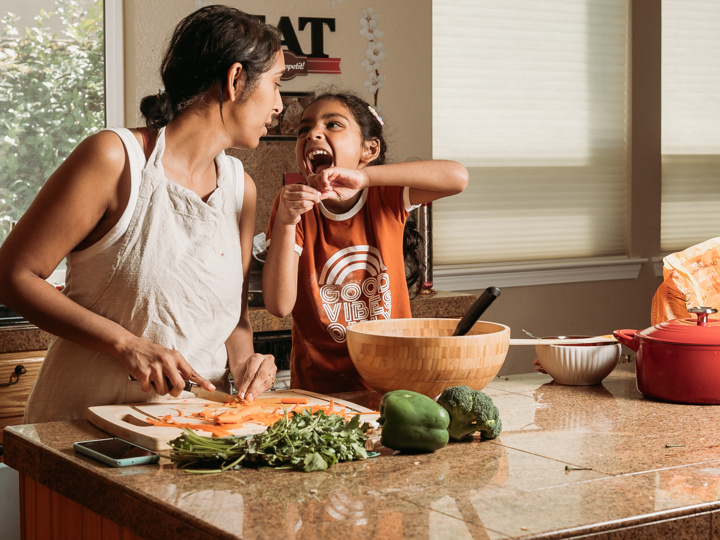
(127, 421)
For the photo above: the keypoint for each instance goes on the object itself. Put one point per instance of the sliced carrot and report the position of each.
(238, 416)
(206, 414)
(229, 427)
(217, 431)
(219, 423)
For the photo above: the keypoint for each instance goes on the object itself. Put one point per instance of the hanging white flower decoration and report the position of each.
(374, 54)
(369, 65)
(375, 82)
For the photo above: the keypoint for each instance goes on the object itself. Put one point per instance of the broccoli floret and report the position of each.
(470, 411)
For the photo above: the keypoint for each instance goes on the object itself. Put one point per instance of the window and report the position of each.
(52, 94)
(690, 123)
(62, 81)
(532, 97)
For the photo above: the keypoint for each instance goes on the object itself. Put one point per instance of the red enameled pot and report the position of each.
(678, 360)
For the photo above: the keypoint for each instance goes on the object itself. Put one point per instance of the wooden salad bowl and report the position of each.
(422, 354)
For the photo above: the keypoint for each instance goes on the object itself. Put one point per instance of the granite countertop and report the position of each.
(601, 461)
(442, 304)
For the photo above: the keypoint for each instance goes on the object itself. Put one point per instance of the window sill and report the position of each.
(478, 276)
(658, 266)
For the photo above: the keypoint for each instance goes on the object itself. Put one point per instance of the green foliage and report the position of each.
(52, 96)
(304, 441)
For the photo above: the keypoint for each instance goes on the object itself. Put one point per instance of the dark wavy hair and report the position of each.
(203, 47)
(372, 128)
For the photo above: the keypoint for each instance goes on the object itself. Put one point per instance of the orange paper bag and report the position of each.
(691, 278)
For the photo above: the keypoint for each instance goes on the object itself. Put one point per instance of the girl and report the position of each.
(155, 225)
(335, 243)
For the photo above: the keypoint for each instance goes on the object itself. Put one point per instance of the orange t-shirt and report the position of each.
(351, 269)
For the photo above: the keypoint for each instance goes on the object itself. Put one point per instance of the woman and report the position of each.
(156, 225)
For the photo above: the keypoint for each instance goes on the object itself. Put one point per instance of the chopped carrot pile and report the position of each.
(220, 422)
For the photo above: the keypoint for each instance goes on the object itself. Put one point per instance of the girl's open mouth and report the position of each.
(319, 160)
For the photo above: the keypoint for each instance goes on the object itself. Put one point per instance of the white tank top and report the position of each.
(169, 271)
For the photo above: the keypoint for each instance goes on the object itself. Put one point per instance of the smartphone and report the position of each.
(116, 452)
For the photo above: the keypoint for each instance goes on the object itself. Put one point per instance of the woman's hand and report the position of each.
(255, 375)
(295, 200)
(161, 370)
(339, 184)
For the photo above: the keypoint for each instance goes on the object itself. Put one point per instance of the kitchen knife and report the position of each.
(215, 395)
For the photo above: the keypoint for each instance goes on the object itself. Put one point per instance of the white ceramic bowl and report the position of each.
(579, 365)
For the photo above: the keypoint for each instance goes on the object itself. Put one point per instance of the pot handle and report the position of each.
(702, 313)
(627, 338)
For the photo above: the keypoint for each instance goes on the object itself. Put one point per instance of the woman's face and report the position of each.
(328, 136)
(255, 115)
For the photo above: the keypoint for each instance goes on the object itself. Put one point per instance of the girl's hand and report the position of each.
(295, 200)
(255, 375)
(161, 370)
(339, 184)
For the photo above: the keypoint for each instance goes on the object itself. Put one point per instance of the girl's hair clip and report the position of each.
(376, 115)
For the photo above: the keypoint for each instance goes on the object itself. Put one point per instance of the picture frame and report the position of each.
(285, 124)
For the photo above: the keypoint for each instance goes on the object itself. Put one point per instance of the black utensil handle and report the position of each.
(477, 309)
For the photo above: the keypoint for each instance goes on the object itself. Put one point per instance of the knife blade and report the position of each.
(215, 395)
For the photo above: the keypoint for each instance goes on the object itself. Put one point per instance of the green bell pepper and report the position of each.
(412, 422)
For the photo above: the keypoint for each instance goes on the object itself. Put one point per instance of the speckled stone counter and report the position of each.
(442, 304)
(572, 462)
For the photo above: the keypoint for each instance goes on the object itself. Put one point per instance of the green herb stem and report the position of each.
(304, 441)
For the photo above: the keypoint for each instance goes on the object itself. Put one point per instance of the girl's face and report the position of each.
(255, 115)
(328, 136)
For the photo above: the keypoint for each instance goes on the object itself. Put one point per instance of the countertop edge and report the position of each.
(140, 514)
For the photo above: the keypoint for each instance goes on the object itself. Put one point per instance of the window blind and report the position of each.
(532, 97)
(690, 123)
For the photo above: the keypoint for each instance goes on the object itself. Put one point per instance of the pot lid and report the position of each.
(701, 330)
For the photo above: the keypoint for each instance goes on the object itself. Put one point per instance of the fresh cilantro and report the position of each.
(304, 441)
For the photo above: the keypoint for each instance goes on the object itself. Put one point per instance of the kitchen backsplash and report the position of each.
(266, 165)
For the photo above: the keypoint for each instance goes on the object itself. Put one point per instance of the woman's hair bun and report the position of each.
(157, 109)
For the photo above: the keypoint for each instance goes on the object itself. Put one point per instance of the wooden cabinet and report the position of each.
(17, 374)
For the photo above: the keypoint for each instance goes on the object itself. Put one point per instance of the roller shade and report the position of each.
(690, 123)
(532, 96)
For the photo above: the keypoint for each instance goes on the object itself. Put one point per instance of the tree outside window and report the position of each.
(52, 95)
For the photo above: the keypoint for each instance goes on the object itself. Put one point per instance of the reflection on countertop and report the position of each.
(599, 461)
(27, 337)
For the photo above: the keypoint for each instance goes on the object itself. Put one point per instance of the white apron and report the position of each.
(169, 271)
